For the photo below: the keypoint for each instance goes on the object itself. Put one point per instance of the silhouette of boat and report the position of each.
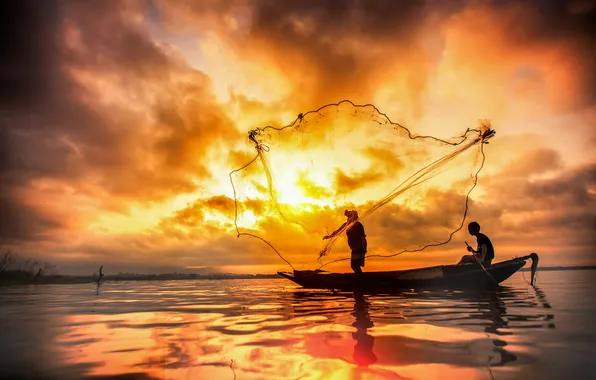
(443, 276)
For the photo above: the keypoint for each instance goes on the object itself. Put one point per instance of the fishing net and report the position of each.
(410, 191)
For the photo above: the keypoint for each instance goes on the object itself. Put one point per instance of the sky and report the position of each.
(121, 122)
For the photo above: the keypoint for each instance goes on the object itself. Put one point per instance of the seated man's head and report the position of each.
(473, 228)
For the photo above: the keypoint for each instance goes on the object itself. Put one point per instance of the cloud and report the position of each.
(516, 209)
(23, 222)
(385, 157)
(545, 46)
(556, 211)
(103, 111)
(393, 51)
(122, 109)
(207, 216)
(384, 163)
(325, 51)
(537, 161)
(95, 102)
(347, 183)
(313, 190)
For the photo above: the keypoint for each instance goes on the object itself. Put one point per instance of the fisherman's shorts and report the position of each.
(358, 257)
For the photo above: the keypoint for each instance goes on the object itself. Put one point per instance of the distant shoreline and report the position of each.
(550, 269)
(69, 279)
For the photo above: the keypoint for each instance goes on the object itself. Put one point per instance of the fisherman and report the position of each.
(484, 252)
(356, 239)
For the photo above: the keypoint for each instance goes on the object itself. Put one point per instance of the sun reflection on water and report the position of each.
(266, 332)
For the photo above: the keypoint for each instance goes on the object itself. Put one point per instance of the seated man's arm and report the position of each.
(481, 252)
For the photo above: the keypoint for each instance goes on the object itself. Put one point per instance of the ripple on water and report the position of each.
(265, 307)
(270, 329)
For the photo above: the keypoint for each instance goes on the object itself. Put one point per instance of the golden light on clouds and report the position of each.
(124, 121)
(349, 157)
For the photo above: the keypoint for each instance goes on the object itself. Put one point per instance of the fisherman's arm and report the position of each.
(334, 232)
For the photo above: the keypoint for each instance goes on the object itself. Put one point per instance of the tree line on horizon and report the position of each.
(14, 267)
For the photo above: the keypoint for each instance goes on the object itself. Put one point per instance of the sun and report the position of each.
(291, 187)
(248, 219)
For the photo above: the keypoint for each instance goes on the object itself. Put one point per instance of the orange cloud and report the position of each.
(345, 183)
(121, 122)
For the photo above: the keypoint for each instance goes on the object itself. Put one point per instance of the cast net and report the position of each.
(411, 191)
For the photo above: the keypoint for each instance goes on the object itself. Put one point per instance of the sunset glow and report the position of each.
(119, 139)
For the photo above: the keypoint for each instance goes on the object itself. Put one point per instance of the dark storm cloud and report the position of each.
(537, 161)
(28, 62)
(346, 49)
(28, 46)
(572, 23)
(568, 188)
(347, 45)
(575, 188)
(552, 19)
(542, 210)
(59, 60)
(22, 222)
(547, 43)
(32, 85)
(332, 50)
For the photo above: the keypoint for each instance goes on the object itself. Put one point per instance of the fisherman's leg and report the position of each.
(470, 259)
(357, 260)
(467, 259)
(355, 264)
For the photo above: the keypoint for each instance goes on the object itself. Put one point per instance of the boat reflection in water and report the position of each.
(427, 333)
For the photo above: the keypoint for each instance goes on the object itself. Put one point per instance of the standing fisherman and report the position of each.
(356, 239)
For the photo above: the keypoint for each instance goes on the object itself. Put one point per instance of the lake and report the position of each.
(272, 329)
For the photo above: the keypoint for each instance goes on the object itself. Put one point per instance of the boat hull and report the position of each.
(446, 276)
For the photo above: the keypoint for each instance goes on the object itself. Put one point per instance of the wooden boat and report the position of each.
(443, 276)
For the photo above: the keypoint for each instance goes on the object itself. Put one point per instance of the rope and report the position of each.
(238, 233)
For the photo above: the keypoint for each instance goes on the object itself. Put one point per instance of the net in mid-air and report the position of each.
(411, 191)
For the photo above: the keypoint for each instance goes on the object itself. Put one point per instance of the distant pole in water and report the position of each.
(100, 275)
(534, 257)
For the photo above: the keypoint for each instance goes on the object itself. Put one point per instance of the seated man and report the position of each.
(484, 252)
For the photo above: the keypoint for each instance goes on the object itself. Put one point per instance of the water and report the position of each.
(271, 329)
